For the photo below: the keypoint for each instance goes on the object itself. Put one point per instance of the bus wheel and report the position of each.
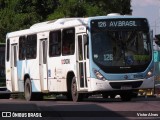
(126, 96)
(28, 90)
(75, 95)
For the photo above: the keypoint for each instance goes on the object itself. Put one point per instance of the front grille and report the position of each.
(134, 84)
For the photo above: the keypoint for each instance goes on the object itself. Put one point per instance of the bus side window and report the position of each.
(66, 48)
(31, 46)
(55, 43)
(22, 48)
(80, 50)
(72, 48)
(68, 41)
(8, 49)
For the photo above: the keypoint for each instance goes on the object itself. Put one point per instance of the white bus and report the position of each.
(109, 55)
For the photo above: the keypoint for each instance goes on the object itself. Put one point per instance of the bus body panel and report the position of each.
(100, 85)
(58, 69)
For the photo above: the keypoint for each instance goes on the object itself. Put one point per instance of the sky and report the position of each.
(149, 9)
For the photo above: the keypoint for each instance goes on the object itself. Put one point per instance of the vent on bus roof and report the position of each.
(113, 14)
(51, 21)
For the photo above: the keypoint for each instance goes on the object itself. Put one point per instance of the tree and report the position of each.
(21, 14)
(68, 8)
(82, 8)
(112, 6)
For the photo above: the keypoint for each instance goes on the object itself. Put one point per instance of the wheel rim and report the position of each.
(27, 93)
(74, 89)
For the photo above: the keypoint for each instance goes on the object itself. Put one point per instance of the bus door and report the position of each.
(81, 62)
(43, 65)
(14, 76)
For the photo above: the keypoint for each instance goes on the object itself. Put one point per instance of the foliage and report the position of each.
(21, 14)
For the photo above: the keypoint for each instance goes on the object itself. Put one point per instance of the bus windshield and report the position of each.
(121, 50)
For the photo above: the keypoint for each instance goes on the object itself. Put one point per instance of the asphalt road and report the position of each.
(89, 109)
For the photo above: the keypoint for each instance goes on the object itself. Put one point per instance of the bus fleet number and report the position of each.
(108, 57)
(102, 24)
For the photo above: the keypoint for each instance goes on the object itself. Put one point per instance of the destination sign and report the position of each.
(120, 23)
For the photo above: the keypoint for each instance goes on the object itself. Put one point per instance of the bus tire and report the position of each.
(75, 95)
(69, 93)
(28, 90)
(69, 96)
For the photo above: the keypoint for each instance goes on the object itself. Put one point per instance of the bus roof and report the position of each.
(50, 25)
(62, 23)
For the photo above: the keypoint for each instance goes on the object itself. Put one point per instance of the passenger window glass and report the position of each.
(8, 49)
(31, 46)
(22, 48)
(55, 43)
(68, 41)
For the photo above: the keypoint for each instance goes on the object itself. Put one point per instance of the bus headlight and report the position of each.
(98, 75)
(149, 73)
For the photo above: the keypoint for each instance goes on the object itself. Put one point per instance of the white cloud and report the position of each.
(145, 2)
